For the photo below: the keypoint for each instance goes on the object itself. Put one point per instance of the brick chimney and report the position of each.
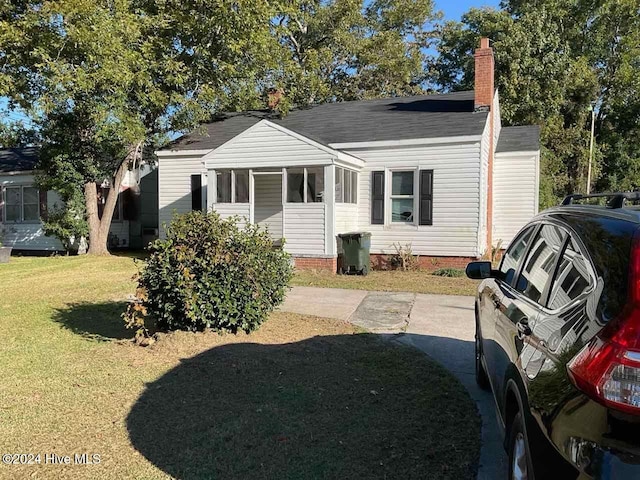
(484, 81)
(274, 97)
(484, 91)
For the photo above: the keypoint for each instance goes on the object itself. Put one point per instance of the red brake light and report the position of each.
(608, 367)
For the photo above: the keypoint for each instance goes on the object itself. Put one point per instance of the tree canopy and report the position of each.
(108, 79)
(555, 60)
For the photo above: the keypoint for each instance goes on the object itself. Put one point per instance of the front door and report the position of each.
(267, 203)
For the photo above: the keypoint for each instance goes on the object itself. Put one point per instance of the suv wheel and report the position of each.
(520, 467)
(481, 375)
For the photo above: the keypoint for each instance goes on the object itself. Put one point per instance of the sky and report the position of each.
(452, 9)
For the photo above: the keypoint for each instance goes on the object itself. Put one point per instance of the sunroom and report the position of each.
(301, 191)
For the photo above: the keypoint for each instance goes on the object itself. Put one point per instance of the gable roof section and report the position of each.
(519, 139)
(398, 118)
(18, 159)
(265, 141)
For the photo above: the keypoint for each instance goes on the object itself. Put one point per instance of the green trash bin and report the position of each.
(355, 252)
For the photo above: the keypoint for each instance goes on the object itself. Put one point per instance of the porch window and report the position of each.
(22, 204)
(223, 186)
(305, 185)
(232, 186)
(346, 188)
(402, 198)
(315, 184)
(242, 186)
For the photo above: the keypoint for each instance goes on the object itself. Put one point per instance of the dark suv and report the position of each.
(558, 342)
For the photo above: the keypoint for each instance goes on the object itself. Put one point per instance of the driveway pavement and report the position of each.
(442, 326)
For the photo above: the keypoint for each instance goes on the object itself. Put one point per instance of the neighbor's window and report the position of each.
(305, 185)
(22, 204)
(402, 199)
(103, 193)
(346, 188)
(225, 179)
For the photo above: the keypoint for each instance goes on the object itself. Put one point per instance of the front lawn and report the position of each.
(301, 398)
(388, 281)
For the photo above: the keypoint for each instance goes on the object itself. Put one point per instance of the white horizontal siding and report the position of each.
(27, 236)
(30, 236)
(346, 217)
(266, 146)
(119, 232)
(304, 225)
(456, 199)
(174, 186)
(226, 210)
(515, 194)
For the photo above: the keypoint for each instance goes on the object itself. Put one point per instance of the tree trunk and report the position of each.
(97, 244)
(99, 227)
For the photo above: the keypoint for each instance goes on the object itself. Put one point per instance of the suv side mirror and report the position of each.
(479, 270)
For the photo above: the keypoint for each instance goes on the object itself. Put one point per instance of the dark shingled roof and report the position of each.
(399, 118)
(519, 139)
(18, 159)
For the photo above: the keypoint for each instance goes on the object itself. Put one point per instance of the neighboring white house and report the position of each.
(436, 171)
(22, 206)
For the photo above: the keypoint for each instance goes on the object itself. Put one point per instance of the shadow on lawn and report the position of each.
(97, 321)
(327, 407)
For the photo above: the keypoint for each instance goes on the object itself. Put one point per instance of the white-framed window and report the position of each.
(346, 188)
(232, 186)
(21, 204)
(402, 196)
(305, 185)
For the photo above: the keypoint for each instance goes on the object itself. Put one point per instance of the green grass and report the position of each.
(388, 281)
(301, 398)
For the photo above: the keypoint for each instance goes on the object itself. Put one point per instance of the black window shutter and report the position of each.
(196, 193)
(377, 198)
(426, 197)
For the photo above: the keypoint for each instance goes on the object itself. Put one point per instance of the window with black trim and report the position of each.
(540, 262)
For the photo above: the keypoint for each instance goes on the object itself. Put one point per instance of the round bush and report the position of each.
(209, 273)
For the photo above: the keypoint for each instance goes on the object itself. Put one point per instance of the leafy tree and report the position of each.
(346, 49)
(554, 59)
(109, 77)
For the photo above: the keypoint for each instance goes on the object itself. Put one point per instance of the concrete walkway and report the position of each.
(442, 326)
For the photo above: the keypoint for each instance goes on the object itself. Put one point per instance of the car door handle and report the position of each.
(523, 328)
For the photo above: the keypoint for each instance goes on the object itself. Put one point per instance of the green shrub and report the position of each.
(209, 273)
(449, 272)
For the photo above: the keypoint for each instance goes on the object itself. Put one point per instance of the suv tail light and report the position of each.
(608, 367)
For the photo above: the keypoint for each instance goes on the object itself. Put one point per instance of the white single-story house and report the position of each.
(22, 206)
(437, 172)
